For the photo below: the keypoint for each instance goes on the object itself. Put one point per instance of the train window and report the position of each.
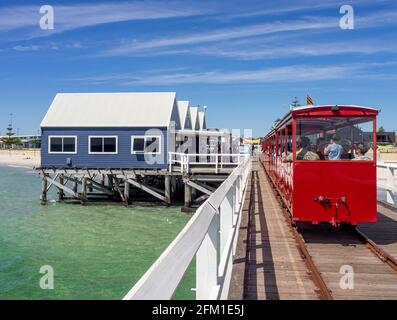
(334, 138)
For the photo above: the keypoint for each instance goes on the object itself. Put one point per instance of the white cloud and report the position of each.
(87, 15)
(293, 73)
(26, 48)
(258, 49)
(222, 35)
(201, 42)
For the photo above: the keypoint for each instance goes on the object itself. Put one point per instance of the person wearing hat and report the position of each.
(334, 150)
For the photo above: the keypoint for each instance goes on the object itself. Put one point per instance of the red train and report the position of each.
(322, 161)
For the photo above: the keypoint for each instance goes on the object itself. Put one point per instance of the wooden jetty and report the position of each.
(195, 180)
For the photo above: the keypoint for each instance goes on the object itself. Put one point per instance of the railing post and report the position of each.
(390, 186)
(226, 218)
(207, 263)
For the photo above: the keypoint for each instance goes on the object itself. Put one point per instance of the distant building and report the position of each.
(27, 141)
(382, 138)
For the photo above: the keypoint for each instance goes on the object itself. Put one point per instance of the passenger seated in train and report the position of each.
(334, 150)
(304, 152)
(320, 146)
(361, 150)
(347, 153)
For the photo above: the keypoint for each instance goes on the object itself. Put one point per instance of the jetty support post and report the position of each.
(126, 193)
(188, 196)
(61, 194)
(44, 186)
(102, 180)
(83, 190)
(168, 190)
(75, 185)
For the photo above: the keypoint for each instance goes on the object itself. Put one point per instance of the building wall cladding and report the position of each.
(123, 159)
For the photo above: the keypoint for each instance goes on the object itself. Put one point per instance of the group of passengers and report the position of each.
(333, 151)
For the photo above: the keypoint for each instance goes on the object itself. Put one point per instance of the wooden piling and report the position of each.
(44, 186)
(188, 196)
(75, 185)
(61, 194)
(167, 190)
(126, 193)
(83, 190)
(102, 180)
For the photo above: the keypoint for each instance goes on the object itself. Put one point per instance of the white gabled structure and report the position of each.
(194, 118)
(184, 115)
(201, 119)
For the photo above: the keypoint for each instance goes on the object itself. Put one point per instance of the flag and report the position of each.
(309, 100)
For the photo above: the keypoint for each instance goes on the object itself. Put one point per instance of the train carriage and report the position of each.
(323, 163)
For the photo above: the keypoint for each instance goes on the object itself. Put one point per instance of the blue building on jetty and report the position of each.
(109, 130)
(115, 144)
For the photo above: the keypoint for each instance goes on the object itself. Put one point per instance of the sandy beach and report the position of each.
(20, 158)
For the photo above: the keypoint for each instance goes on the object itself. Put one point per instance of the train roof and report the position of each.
(320, 107)
(310, 109)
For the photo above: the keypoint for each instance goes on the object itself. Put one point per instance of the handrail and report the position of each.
(217, 160)
(211, 232)
(390, 186)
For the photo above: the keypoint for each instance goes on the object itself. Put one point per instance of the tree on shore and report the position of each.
(9, 140)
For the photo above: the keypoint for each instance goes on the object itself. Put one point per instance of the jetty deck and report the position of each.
(271, 266)
(270, 263)
(245, 246)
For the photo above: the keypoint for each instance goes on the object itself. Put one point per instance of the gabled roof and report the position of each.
(136, 109)
(194, 118)
(184, 114)
(202, 122)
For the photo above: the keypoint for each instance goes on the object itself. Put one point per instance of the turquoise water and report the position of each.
(96, 252)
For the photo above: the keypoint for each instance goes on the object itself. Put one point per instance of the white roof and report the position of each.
(330, 105)
(137, 109)
(201, 118)
(194, 118)
(183, 108)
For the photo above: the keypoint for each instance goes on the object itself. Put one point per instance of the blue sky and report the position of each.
(245, 60)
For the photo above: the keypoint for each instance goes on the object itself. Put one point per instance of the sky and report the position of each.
(244, 60)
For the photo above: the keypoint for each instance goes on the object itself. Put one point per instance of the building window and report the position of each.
(102, 145)
(145, 144)
(62, 144)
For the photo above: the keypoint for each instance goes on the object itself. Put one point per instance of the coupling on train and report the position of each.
(322, 160)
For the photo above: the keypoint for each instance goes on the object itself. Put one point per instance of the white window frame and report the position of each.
(62, 152)
(89, 144)
(145, 137)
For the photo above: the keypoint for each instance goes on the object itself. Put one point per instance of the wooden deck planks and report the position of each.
(274, 268)
(384, 231)
(333, 248)
(271, 266)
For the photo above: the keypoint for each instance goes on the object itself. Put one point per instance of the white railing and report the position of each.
(390, 186)
(185, 161)
(210, 236)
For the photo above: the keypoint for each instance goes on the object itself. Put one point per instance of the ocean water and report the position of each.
(96, 252)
